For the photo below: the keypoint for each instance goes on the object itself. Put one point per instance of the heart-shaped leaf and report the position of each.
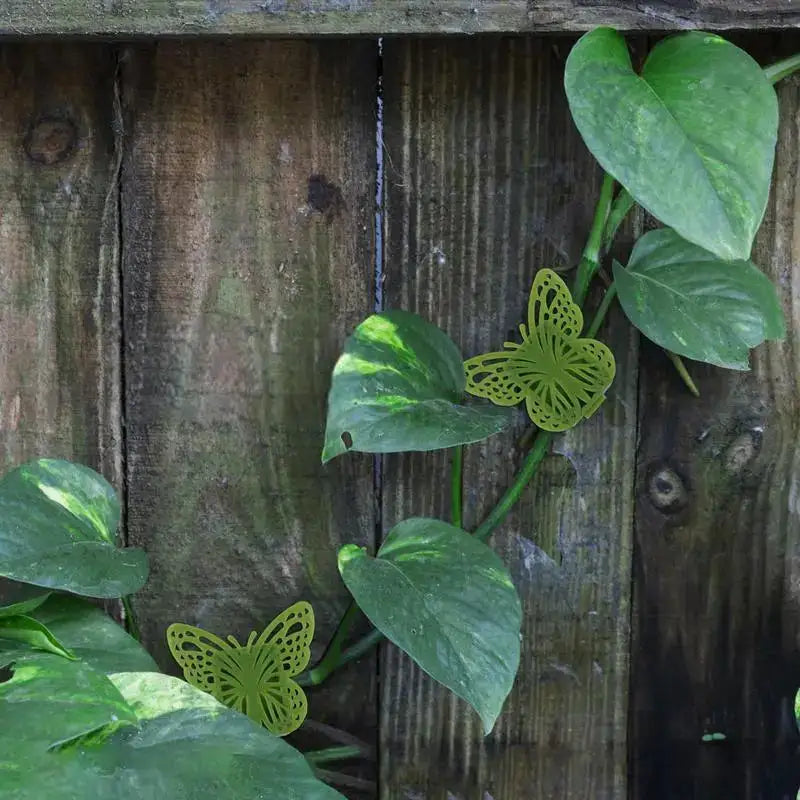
(692, 138)
(690, 302)
(398, 386)
(186, 745)
(447, 600)
(58, 523)
(88, 633)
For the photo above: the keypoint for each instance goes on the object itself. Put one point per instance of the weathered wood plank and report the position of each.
(248, 201)
(377, 17)
(717, 622)
(487, 181)
(59, 305)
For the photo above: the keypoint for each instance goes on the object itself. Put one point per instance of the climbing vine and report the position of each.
(691, 140)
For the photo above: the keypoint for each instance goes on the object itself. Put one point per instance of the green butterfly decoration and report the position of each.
(561, 377)
(254, 678)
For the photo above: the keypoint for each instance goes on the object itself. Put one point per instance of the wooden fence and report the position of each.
(187, 235)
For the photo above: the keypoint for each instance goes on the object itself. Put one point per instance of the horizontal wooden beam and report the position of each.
(149, 18)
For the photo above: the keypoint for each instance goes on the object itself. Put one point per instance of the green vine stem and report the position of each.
(590, 260)
(602, 310)
(782, 69)
(317, 757)
(347, 781)
(456, 485)
(623, 203)
(333, 657)
(536, 454)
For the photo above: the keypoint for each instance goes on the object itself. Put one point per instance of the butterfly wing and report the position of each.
(279, 705)
(198, 653)
(497, 376)
(550, 306)
(290, 635)
(591, 366)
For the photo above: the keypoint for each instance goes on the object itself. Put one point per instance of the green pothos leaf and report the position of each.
(53, 700)
(692, 138)
(447, 600)
(692, 303)
(58, 523)
(398, 386)
(797, 707)
(182, 744)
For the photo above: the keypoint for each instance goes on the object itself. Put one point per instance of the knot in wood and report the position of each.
(51, 140)
(666, 489)
(741, 451)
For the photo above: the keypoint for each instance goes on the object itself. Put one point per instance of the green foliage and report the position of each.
(90, 635)
(27, 599)
(160, 738)
(58, 523)
(561, 377)
(90, 717)
(446, 599)
(398, 386)
(694, 304)
(53, 701)
(692, 138)
(34, 634)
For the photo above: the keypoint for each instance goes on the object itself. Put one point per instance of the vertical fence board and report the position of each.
(717, 622)
(59, 314)
(248, 195)
(487, 181)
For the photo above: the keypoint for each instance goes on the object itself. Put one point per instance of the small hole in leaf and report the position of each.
(347, 439)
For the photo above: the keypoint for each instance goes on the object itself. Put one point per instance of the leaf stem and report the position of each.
(317, 757)
(683, 372)
(327, 667)
(130, 619)
(602, 310)
(332, 658)
(456, 486)
(782, 69)
(535, 457)
(590, 260)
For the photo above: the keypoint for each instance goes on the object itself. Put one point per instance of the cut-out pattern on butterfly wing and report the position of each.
(254, 678)
(561, 377)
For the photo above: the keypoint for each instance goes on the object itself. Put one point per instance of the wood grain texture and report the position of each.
(124, 18)
(717, 567)
(248, 202)
(59, 306)
(487, 181)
